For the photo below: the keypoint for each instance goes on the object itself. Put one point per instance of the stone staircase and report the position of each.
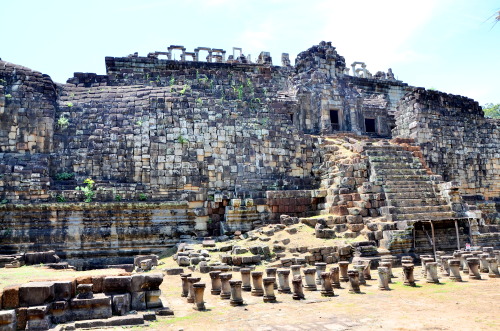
(410, 191)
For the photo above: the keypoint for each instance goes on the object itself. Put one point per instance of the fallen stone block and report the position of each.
(135, 319)
(36, 293)
(173, 271)
(97, 282)
(138, 259)
(145, 282)
(63, 290)
(97, 307)
(60, 313)
(116, 284)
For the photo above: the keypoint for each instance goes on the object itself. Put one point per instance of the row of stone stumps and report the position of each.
(309, 278)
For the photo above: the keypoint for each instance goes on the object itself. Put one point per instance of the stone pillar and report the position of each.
(343, 265)
(326, 285)
(335, 277)
(497, 255)
(236, 297)
(424, 261)
(353, 281)
(295, 270)
(408, 278)
(383, 278)
(216, 283)
(473, 263)
(392, 262)
(458, 256)
(298, 293)
(432, 273)
(489, 251)
(225, 287)
(185, 285)
(493, 268)
(269, 289)
(191, 281)
(245, 279)
(445, 268)
(455, 270)
(310, 284)
(271, 272)
(465, 265)
(284, 284)
(483, 263)
(360, 269)
(388, 265)
(257, 290)
(366, 272)
(199, 289)
(320, 268)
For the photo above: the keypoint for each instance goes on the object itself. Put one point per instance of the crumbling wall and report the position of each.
(457, 141)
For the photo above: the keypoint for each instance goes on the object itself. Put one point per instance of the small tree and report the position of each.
(491, 110)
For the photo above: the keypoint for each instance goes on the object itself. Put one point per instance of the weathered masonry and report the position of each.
(200, 145)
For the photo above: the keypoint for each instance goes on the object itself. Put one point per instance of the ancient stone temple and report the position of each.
(159, 150)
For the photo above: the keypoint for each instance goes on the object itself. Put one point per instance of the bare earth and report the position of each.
(471, 305)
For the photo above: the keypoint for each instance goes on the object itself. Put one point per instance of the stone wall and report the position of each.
(456, 140)
(95, 234)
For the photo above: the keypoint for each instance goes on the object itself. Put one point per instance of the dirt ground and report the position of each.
(470, 305)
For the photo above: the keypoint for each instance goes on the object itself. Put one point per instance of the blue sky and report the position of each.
(448, 45)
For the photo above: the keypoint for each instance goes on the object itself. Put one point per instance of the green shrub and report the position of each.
(88, 190)
(63, 122)
(65, 176)
(143, 197)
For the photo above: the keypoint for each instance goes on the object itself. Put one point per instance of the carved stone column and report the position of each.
(383, 278)
(465, 265)
(257, 290)
(335, 277)
(298, 293)
(360, 269)
(388, 265)
(445, 268)
(408, 277)
(353, 281)
(225, 287)
(271, 272)
(366, 272)
(191, 281)
(473, 263)
(245, 279)
(326, 285)
(284, 284)
(493, 268)
(458, 256)
(424, 261)
(185, 285)
(320, 268)
(236, 294)
(432, 274)
(344, 265)
(455, 270)
(483, 262)
(216, 283)
(269, 289)
(199, 289)
(309, 275)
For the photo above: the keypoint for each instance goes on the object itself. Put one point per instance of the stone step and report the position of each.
(410, 195)
(396, 165)
(399, 178)
(414, 209)
(399, 172)
(394, 159)
(416, 202)
(389, 153)
(423, 216)
(402, 189)
(370, 148)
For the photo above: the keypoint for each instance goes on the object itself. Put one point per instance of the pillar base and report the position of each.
(409, 284)
(199, 307)
(190, 300)
(269, 298)
(257, 293)
(215, 292)
(236, 303)
(327, 293)
(310, 287)
(246, 288)
(471, 276)
(285, 291)
(355, 291)
(455, 279)
(493, 276)
(336, 285)
(225, 296)
(298, 297)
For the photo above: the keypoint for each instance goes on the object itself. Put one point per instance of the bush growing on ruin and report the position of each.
(491, 110)
(88, 190)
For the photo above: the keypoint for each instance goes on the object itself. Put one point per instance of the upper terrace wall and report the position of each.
(457, 141)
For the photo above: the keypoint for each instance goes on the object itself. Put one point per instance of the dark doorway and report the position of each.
(334, 120)
(370, 125)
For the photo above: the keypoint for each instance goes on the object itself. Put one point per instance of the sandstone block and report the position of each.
(97, 282)
(153, 299)
(59, 311)
(97, 307)
(63, 290)
(138, 300)
(138, 259)
(36, 293)
(121, 304)
(10, 297)
(145, 282)
(38, 318)
(116, 284)
(8, 320)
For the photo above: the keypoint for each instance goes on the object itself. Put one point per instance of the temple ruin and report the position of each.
(172, 147)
